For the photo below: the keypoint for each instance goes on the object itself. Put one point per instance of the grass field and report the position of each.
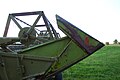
(102, 65)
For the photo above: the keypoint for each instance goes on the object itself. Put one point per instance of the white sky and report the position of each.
(99, 18)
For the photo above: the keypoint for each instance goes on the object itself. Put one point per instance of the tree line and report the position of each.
(114, 42)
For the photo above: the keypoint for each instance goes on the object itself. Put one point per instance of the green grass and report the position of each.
(102, 65)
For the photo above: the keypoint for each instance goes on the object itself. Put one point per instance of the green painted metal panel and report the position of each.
(64, 50)
(49, 49)
(18, 67)
(82, 39)
(81, 46)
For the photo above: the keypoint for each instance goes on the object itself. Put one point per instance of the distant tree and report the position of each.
(115, 41)
(107, 43)
(118, 42)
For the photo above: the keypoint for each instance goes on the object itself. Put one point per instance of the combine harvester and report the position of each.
(38, 53)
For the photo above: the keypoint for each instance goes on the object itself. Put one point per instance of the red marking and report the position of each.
(86, 40)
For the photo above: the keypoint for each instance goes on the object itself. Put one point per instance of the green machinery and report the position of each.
(39, 53)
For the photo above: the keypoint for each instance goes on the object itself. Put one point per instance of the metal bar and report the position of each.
(65, 48)
(13, 18)
(7, 26)
(34, 24)
(48, 26)
(39, 25)
(54, 31)
(29, 24)
(23, 21)
(20, 65)
(26, 13)
(30, 57)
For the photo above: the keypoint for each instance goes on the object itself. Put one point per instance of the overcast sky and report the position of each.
(99, 18)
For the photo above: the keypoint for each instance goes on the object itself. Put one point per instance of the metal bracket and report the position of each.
(21, 68)
(1, 61)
